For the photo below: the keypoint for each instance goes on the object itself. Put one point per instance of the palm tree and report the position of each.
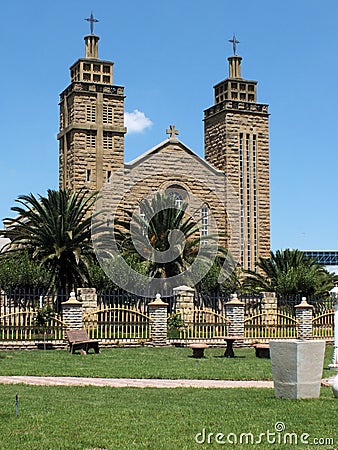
(165, 236)
(56, 231)
(290, 272)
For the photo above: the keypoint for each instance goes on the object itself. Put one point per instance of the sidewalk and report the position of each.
(142, 382)
(134, 382)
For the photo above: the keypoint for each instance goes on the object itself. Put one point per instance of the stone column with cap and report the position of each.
(185, 297)
(72, 313)
(269, 307)
(158, 312)
(304, 315)
(234, 310)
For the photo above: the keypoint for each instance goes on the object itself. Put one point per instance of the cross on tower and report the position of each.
(172, 131)
(234, 43)
(92, 20)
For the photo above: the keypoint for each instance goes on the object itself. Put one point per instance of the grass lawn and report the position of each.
(61, 418)
(142, 362)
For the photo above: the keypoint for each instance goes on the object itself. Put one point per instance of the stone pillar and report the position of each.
(269, 307)
(304, 313)
(158, 312)
(88, 298)
(72, 312)
(185, 296)
(234, 310)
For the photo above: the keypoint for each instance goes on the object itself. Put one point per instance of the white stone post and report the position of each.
(334, 364)
(234, 310)
(304, 314)
(72, 312)
(158, 312)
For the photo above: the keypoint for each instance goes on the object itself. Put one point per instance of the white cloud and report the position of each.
(136, 121)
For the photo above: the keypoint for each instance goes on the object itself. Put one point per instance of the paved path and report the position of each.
(134, 382)
(142, 382)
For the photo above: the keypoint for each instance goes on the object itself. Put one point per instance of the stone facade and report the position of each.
(91, 145)
(236, 140)
(91, 137)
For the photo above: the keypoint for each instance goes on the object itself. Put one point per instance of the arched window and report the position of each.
(178, 194)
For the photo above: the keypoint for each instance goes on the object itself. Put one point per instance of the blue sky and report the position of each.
(168, 55)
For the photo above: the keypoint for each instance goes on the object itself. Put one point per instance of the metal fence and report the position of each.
(217, 300)
(30, 299)
(24, 326)
(320, 303)
(110, 298)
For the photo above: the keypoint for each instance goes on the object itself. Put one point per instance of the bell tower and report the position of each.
(236, 141)
(91, 136)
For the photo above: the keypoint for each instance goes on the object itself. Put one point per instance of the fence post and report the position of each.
(88, 298)
(185, 296)
(269, 307)
(304, 313)
(72, 312)
(158, 312)
(234, 310)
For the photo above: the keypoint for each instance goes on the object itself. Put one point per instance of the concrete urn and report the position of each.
(335, 386)
(297, 367)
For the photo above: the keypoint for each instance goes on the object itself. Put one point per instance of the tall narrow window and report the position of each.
(62, 124)
(241, 176)
(108, 140)
(144, 227)
(107, 115)
(88, 175)
(108, 176)
(248, 196)
(91, 139)
(254, 170)
(91, 112)
(204, 223)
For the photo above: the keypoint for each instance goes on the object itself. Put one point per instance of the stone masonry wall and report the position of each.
(222, 131)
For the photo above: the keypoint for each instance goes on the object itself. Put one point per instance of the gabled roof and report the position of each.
(170, 141)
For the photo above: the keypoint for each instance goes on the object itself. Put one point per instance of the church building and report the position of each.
(232, 181)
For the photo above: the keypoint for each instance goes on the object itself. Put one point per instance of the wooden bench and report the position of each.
(79, 340)
(262, 350)
(198, 350)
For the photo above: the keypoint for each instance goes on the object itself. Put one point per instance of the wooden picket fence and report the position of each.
(23, 326)
(202, 324)
(117, 323)
(263, 326)
(323, 324)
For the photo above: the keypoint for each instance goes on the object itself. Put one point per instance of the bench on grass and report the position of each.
(79, 340)
(198, 350)
(262, 350)
(229, 350)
